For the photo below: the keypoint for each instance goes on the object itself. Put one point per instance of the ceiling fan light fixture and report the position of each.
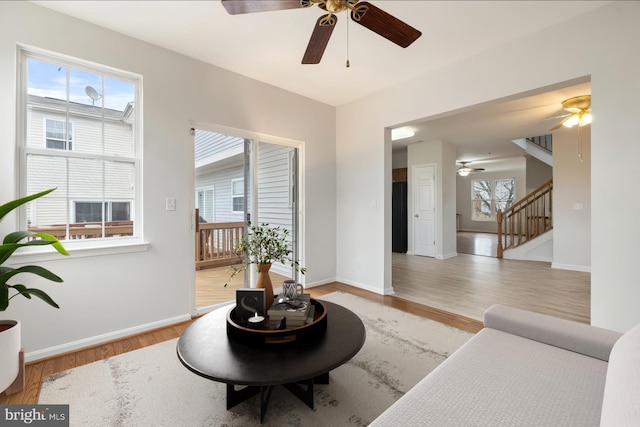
(586, 119)
(336, 6)
(464, 171)
(571, 121)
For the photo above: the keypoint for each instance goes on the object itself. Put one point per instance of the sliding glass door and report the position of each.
(271, 171)
(240, 178)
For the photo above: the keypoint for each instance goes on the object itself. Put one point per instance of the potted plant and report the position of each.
(10, 342)
(263, 245)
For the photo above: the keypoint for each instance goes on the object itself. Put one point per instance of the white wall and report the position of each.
(464, 197)
(399, 159)
(126, 292)
(572, 199)
(607, 54)
(537, 173)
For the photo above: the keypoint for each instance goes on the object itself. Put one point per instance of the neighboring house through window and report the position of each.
(489, 196)
(205, 201)
(91, 152)
(94, 211)
(59, 135)
(237, 195)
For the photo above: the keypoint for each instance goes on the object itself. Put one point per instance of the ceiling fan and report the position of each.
(466, 170)
(362, 12)
(579, 108)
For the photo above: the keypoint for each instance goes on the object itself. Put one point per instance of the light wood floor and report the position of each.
(473, 243)
(468, 285)
(35, 371)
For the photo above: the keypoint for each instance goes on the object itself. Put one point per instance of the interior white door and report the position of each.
(424, 210)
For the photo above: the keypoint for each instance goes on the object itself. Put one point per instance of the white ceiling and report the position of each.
(269, 46)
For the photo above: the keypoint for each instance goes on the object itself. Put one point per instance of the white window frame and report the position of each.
(237, 196)
(291, 177)
(493, 183)
(81, 247)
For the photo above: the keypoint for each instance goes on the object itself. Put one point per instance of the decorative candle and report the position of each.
(255, 320)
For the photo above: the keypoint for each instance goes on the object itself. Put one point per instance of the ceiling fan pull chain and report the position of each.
(580, 143)
(348, 64)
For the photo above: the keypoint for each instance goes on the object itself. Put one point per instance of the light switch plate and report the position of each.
(170, 204)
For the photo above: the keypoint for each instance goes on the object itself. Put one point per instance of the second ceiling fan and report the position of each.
(466, 170)
(362, 12)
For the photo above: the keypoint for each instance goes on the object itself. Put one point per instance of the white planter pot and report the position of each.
(9, 353)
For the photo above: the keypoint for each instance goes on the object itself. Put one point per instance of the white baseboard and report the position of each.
(320, 282)
(584, 268)
(386, 291)
(447, 256)
(99, 339)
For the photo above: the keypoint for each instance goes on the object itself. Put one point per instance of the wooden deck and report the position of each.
(210, 287)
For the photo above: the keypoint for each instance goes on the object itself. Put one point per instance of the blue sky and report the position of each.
(50, 80)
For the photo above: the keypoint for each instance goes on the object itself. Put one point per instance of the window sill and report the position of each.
(80, 249)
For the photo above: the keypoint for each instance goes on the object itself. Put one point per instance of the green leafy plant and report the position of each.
(19, 239)
(265, 245)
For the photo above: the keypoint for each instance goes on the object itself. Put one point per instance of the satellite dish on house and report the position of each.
(92, 93)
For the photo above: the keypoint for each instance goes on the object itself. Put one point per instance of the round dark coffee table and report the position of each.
(205, 349)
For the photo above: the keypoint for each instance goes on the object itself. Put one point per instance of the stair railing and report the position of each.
(545, 142)
(526, 219)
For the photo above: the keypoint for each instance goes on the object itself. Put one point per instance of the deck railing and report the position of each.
(216, 243)
(86, 230)
(526, 219)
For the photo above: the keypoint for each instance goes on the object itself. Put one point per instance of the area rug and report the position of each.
(150, 387)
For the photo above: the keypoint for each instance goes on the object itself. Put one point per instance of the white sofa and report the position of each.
(529, 369)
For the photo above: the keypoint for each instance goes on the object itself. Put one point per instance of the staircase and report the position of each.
(526, 219)
(540, 147)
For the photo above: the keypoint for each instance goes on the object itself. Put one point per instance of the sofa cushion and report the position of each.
(573, 336)
(621, 404)
(500, 379)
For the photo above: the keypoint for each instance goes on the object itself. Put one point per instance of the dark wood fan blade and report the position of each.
(319, 39)
(388, 26)
(237, 7)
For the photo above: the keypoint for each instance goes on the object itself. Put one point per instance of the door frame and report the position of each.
(299, 217)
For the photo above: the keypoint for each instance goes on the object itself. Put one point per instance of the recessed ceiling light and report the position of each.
(401, 133)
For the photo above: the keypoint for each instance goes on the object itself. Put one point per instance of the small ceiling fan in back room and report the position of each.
(466, 170)
(362, 12)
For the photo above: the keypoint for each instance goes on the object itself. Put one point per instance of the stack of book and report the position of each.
(296, 312)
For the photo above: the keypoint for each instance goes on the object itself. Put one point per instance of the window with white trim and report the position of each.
(237, 195)
(205, 204)
(90, 154)
(58, 134)
(84, 211)
(489, 196)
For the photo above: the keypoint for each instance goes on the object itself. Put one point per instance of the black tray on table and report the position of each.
(265, 336)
